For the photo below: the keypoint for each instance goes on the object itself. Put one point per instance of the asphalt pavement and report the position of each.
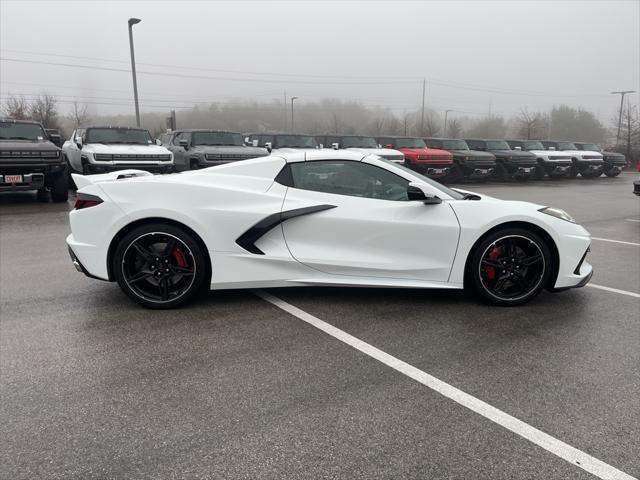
(92, 386)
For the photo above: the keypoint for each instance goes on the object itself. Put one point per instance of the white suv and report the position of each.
(103, 149)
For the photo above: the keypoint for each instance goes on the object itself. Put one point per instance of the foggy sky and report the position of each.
(530, 54)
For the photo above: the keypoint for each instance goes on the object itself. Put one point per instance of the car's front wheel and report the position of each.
(612, 171)
(160, 266)
(510, 267)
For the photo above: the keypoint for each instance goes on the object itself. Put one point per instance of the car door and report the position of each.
(72, 151)
(363, 224)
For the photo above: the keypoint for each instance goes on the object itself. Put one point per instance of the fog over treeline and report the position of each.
(342, 117)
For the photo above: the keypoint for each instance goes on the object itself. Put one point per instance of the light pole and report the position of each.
(292, 100)
(132, 22)
(444, 131)
(622, 94)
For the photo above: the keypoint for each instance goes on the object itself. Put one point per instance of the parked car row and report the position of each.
(32, 158)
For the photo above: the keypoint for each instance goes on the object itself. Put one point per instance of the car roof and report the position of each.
(315, 155)
(112, 126)
(282, 133)
(13, 120)
(208, 130)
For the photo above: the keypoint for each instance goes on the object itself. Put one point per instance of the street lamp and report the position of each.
(292, 99)
(132, 22)
(444, 131)
(622, 94)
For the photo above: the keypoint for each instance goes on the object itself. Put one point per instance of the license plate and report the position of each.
(13, 178)
(483, 170)
(439, 170)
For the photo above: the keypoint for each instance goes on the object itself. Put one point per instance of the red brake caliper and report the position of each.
(178, 256)
(489, 270)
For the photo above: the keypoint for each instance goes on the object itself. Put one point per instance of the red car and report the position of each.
(431, 162)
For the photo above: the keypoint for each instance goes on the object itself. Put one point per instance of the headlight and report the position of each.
(556, 212)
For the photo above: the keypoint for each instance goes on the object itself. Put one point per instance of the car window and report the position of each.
(475, 144)
(344, 177)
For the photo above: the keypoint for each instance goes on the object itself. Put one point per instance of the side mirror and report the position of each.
(184, 143)
(335, 146)
(415, 192)
(78, 142)
(268, 146)
(158, 142)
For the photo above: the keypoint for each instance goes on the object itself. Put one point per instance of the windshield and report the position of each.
(455, 145)
(409, 143)
(217, 138)
(452, 193)
(295, 141)
(533, 146)
(358, 142)
(497, 145)
(21, 131)
(566, 146)
(591, 146)
(118, 135)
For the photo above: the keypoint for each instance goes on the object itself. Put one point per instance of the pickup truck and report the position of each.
(554, 164)
(431, 162)
(104, 149)
(196, 148)
(273, 141)
(29, 160)
(509, 163)
(588, 163)
(614, 162)
(467, 164)
(360, 144)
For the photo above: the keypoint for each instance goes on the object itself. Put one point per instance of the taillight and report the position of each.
(84, 200)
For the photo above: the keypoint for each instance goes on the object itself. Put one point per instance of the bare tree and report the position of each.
(44, 109)
(79, 114)
(378, 125)
(406, 121)
(17, 108)
(335, 123)
(432, 125)
(454, 127)
(528, 123)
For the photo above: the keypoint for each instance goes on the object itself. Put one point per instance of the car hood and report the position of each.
(424, 151)
(613, 154)
(558, 153)
(125, 149)
(230, 150)
(514, 153)
(26, 145)
(577, 153)
(381, 152)
(476, 154)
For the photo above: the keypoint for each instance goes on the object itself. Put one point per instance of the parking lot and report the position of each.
(243, 385)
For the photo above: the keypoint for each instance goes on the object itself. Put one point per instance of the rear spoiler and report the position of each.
(84, 180)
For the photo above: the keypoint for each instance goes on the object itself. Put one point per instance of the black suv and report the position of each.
(614, 162)
(271, 141)
(467, 164)
(509, 163)
(29, 160)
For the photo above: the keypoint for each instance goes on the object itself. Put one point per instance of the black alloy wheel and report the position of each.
(160, 266)
(510, 267)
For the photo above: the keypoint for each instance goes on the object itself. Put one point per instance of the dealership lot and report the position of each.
(93, 386)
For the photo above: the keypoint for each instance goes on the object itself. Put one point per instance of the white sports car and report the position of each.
(316, 218)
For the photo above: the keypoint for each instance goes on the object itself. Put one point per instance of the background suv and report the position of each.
(614, 162)
(417, 156)
(102, 149)
(509, 163)
(272, 141)
(30, 161)
(360, 144)
(587, 163)
(554, 164)
(470, 164)
(193, 149)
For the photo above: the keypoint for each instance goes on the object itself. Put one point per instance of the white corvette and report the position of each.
(316, 218)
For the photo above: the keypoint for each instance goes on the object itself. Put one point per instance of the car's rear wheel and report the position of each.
(510, 267)
(591, 174)
(60, 186)
(160, 266)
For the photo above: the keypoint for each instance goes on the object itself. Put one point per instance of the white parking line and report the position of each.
(615, 241)
(632, 220)
(538, 437)
(614, 290)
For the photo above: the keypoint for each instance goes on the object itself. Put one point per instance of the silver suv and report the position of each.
(195, 148)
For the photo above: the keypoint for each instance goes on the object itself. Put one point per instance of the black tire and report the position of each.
(541, 172)
(573, 171)
(86, 169)
(455, 175)
(60, 186)
(160, 266)
(501, 172)
(194, 165)
(588, 174)
(522, 178)
(498, 279)
(611, 172)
